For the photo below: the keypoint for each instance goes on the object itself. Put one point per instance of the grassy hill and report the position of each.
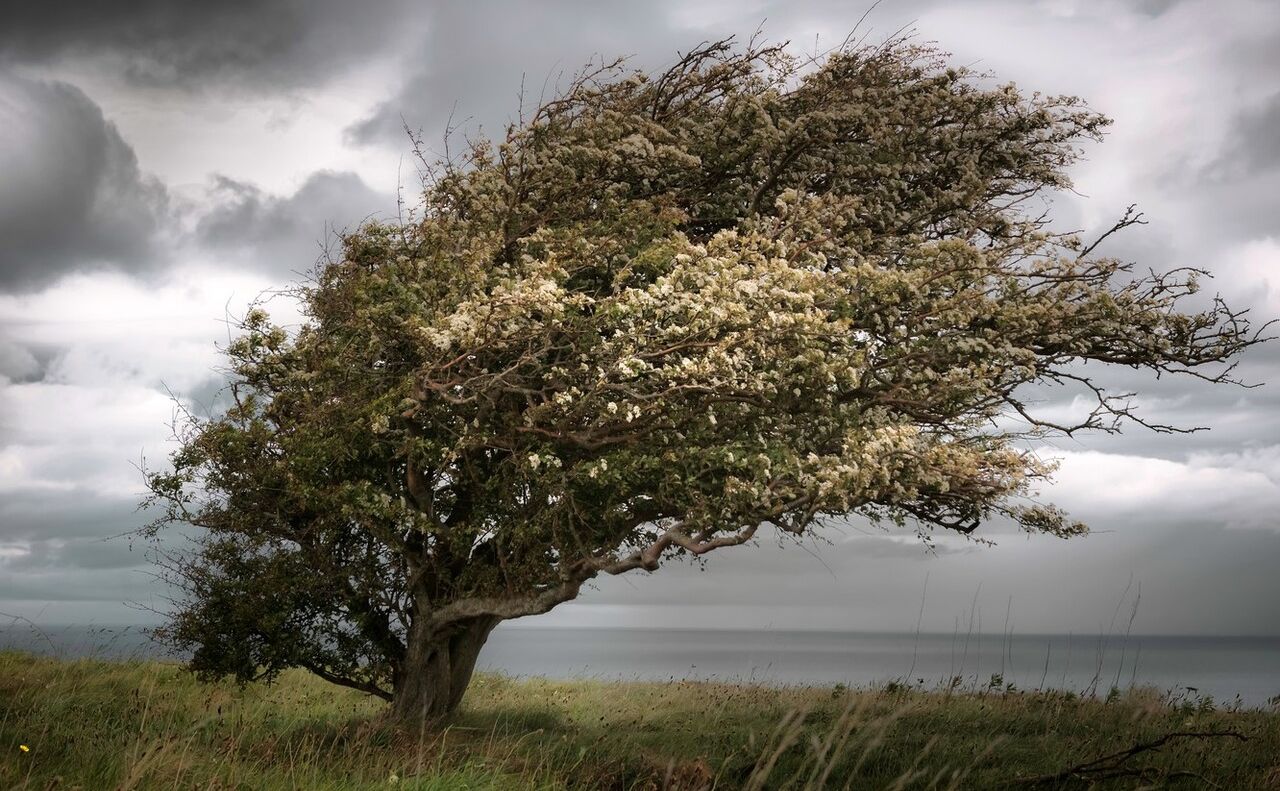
(94, 724)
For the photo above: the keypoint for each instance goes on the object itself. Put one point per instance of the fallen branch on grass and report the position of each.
(1115, 764)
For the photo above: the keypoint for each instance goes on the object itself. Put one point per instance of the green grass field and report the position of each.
(147, 725)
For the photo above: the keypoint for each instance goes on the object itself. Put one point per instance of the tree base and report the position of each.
(437, 670)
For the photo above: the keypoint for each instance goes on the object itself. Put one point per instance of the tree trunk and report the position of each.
(437, 668)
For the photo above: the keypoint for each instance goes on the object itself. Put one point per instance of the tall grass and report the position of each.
(97, 724)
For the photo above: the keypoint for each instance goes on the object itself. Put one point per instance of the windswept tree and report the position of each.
(666, 314)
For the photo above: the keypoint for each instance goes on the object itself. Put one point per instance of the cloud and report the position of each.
(1155, 7)
(113, 349)
(1194, 579)
(62, 437)
(1199, 536)
(1264, 461)
(63, 554)
(95, 336)
(30, 516)
(243, 44)
(72, 196)
(17, 363)
(261, 91)
(473, 59)
(106, 347)
(1254, 145)
(1231, 490)
(471, 65)
(282, 234)
(1229, 416)
(79, 585)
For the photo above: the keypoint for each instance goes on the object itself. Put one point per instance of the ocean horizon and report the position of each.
(1232, 670)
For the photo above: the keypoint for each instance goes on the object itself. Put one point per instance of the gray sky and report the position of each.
(163, 163)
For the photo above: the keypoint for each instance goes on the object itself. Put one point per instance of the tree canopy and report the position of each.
(664, 313)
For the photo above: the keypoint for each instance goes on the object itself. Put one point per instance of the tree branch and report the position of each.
(364, 686)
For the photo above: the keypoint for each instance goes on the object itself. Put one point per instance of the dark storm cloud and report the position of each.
(81, 553)
(1247, 207)
(1230, 416)
(288, 234)
(74, 545)
(1235, 415)
(1258, 136)
(86, 585)
(1257, 54)
(40, 515)
(1254, 144)
(72, 195)
(18, 364)
(1155, 7)
(1239, 191)
(208, 398)
(1199, 578)
(251, 44)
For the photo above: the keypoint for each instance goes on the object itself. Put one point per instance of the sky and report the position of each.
(162, 164)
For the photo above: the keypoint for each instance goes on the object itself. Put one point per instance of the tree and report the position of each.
(665, 312)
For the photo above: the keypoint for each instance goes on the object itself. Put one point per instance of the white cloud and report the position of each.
(1250, 272)
(1264, 461)
(120, 345)
(69, 436)
(1112, 490)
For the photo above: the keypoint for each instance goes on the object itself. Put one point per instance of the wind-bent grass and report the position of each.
(148, 725)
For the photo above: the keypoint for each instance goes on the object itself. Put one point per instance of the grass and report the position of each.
(97, 724)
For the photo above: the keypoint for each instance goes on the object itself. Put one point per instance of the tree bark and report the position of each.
(437, 669)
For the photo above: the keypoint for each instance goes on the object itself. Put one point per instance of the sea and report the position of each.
(1231, 671)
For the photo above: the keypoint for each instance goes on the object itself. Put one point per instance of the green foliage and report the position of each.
(663, 312)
